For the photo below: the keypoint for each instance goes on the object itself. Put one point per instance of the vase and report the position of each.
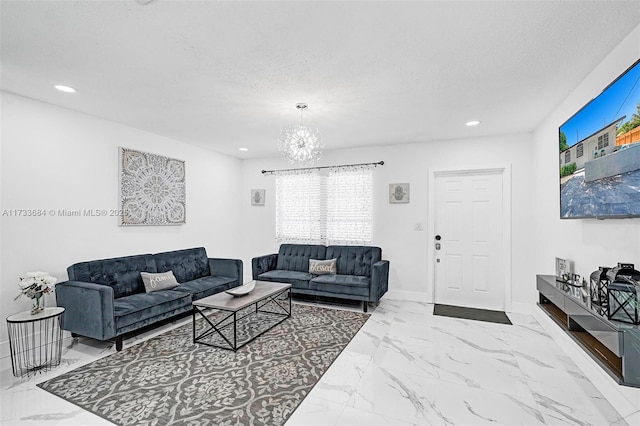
(37, 304)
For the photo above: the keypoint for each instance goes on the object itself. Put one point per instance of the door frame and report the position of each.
(505, 171)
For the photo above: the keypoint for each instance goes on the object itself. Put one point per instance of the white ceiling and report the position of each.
(225, 75)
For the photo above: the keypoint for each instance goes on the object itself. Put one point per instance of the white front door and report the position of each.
(468, 254)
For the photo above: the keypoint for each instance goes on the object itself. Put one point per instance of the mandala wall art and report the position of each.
(152, 189)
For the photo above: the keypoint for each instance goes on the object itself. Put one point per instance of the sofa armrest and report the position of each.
(262, 264)
(379, 280)
(88, 308)
(227, 268)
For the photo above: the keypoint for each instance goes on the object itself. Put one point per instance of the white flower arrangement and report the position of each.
(35, 284)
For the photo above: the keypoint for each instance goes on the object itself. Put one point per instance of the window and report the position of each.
(605, 139)
(325, 207)
(600, 142)
(567, 156)
(579, 150)
(298, 208)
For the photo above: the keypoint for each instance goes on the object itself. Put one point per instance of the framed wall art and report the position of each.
(257, 197)
(398, 193)
(152, 189)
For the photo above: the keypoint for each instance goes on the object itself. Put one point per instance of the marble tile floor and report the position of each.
(404, 367)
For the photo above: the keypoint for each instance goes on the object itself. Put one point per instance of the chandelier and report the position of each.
(300, 144)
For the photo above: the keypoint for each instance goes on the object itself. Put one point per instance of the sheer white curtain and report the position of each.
(349, 206)
(332, 206)
(298, 212)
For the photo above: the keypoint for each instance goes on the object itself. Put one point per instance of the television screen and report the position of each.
(600, 154)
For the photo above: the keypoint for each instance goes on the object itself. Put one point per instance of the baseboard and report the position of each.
(411, 296)
(623, 398)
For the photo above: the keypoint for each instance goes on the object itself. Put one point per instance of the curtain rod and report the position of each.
(379, 163)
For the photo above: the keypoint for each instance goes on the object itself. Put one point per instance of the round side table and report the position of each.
(35, 341)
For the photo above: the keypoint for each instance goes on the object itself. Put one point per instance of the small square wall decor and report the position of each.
(398, 193)
(257, 197)
(152, 189)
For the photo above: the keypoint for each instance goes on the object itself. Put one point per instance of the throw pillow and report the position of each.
(157, 282)
(323, 267)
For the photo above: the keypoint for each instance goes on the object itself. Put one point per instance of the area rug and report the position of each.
(168, 380)
(486, 315)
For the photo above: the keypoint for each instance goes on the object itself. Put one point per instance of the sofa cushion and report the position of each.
(322, 267)
(187, 265)
(120, 273)
(296, 279)
(341, 284)
(140, 307)
(158, 281)
(355, 260)
(295, 257)
(206, 286)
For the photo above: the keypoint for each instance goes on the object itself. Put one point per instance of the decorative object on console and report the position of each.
(300, 144)
(35, 285)
(243, 290)
(257, 197)
(563, 269)
(598, 289)
(398, 193)
(152, 189)
(623, 293)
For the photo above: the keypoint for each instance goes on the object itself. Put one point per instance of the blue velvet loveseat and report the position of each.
(360, 273)
(105, 299)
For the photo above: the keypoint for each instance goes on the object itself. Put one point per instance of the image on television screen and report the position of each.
(600, 154)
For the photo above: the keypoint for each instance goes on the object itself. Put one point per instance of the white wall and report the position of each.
(54, 158)
(404, 247)
(589, 243)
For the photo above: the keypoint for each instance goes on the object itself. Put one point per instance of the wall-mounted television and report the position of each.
(600, 153)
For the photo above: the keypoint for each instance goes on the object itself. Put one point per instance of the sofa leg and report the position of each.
(365, 305)
(118, 343)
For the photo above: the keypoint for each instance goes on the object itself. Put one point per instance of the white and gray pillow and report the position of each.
(157, 282)
(323, 267)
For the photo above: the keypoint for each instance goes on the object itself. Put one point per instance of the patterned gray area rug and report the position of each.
(168, 380)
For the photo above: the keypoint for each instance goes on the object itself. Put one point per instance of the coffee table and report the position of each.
(264, 293)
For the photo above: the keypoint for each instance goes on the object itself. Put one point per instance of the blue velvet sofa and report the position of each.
(361, 273)
(105, 299)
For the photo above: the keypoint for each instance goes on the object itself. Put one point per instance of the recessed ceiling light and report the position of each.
(243, 149)
(472, 123)
(66, 89)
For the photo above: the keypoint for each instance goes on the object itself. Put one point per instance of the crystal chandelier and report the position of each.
(300, 144)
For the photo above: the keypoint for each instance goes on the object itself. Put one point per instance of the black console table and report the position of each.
(614, 345)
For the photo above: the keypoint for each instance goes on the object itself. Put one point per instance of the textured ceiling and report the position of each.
(225, 75)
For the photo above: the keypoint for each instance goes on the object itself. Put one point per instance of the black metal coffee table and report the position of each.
(264, 293)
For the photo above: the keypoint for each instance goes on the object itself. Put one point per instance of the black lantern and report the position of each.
(598, 289)
(623, 292)
(623, 301)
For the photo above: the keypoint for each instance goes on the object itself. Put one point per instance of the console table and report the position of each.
(614, 345)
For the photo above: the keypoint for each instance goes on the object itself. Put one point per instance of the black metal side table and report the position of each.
(35, 341)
